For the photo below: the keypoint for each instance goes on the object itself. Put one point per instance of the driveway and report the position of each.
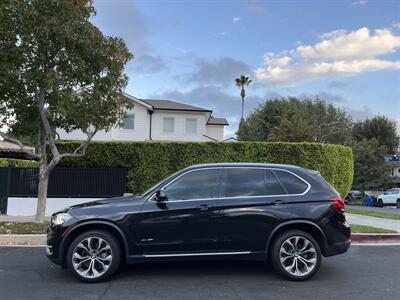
(365, 272)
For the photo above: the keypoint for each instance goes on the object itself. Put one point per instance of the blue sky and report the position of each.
(347, 52)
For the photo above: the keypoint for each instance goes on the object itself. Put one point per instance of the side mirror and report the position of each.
(161, 196)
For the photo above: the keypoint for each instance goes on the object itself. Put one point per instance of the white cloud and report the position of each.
(396, 25)
(236, 19)
(338, 52)
(360, 2)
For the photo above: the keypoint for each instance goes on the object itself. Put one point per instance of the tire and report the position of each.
(96, 265)
(380, 203)
(280, 259)
(398, 203)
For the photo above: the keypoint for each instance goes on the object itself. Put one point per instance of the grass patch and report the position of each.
(370, 213)
(369, 229)
(23, 228)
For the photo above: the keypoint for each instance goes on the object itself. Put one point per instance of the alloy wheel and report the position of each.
(92, 257)
(298, 256)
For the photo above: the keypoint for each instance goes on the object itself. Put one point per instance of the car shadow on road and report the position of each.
(238, 269)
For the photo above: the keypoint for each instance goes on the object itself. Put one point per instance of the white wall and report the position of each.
(142, 128)
(78, 135)
(27, 206)
(215, 132)
(140, 133)
(179, 133)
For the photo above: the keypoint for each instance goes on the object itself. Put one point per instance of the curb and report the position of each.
(40, 239)
(375, 238)
(23, 239)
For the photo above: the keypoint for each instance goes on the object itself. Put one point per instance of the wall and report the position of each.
(27, 206)
(140, 133)
(215, 132)
(180, 126)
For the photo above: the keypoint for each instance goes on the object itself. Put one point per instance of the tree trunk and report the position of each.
(42, 196)
(241, 119)
(43, 177)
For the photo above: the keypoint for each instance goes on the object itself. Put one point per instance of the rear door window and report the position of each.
(241, 182)
(244, 182)
(272, 185)
(292, 183)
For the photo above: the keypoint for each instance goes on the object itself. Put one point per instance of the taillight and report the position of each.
(338, 203)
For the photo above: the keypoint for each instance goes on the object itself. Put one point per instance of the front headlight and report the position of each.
(60, 218)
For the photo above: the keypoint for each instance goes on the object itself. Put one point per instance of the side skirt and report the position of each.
(239, 255)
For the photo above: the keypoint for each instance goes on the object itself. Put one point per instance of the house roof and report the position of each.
(217, 121)
(10, 147)
(159, 104)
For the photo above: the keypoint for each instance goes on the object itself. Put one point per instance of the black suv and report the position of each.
(281, 213)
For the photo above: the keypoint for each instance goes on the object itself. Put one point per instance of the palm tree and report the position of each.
(242, 82)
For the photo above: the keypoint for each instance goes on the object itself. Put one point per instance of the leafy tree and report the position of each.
(297, 120)
(369, 169)
(242, 82)
(380, 128)
(57, 70)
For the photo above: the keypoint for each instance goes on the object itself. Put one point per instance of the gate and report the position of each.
(63, 183)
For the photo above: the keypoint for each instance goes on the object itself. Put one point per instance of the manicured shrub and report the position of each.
(149, 162)
(5, 162)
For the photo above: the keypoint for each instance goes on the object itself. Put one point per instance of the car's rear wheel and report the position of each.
(398, 203)
(94, 256)
(380, 203)
(295, 255)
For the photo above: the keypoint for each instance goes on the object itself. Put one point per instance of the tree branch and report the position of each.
(46, 125)
(20, 144)
(81, 150)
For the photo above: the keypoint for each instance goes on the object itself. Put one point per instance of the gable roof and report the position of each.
(217, 121)
(159, 104)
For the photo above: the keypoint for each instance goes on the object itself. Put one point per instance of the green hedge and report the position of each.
(149, 162)
(5, 162)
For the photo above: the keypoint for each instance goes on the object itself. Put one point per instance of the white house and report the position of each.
(160, 120)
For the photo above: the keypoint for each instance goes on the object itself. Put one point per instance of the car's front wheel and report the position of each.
(295, 255)
(94, 256)
(398, 203)
(380, 203)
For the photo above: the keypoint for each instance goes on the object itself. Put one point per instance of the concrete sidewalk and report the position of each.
(374, 222)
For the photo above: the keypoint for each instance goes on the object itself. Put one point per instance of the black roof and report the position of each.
(217, 121)
(159, 104)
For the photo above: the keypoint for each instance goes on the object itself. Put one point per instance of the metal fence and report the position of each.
(63, 183)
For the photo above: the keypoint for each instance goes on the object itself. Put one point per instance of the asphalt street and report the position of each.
(365, 272)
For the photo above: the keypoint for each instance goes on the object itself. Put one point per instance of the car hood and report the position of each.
(106, 207)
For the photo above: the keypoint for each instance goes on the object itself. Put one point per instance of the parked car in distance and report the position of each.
(353, 195)
(390, 197)
(287, 215)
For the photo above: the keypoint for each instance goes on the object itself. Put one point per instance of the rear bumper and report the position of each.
(337, 248)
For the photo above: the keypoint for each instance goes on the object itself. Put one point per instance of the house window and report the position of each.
(129, 122)
(191, 126)
(168, 125)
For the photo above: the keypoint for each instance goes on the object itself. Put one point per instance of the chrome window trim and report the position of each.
(236, 197)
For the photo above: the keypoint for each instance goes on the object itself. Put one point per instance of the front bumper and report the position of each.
(55, 238)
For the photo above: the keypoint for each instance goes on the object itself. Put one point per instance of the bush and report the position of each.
(149, 162)
(5, 162)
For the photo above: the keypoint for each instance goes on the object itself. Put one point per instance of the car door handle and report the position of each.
(276, 202)
(203, 207)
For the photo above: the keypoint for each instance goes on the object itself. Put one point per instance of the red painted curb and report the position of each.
(375, 237)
